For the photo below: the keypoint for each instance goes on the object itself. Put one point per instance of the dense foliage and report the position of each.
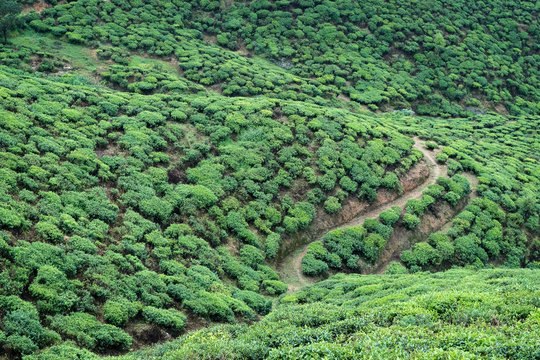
(354, 247)
(459, 314)
(441, 58)
(137, 206)
(158, 159)
(502, 225)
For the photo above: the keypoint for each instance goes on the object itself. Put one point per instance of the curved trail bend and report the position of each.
(435, 170)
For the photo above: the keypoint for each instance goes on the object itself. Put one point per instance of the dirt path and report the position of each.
(296, 279)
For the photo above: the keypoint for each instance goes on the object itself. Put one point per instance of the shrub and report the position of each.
(272, 215)
(64, 351)
(452, 198)
(90, 333)
(49, 232)
(332, 205)
(251, 256)
(317, 249)
(271, 245)
(10, 219)
(20, 344)
(352, 261)
(274, 287)
(441, 158)
(430, 145)
(255, 301)
(24, 330)
(444, 246)
(315, 196)
(372, 246)
(170, 318)
(304, 213)
(327, 182)
(384, 230)
(427, 201)
(212, 306)
(156, 208)
(333, 260)
(411, 220)
(390, 216)
(178, 115)
(53, 290)
(34, 255)
(415, 206)
(434, 190)
(312, 266)
(150, 118)
(395, 268)
(118, 311)
(466, 249)
(246, 282)
(348, 184)
(422, 255)
(390, 181)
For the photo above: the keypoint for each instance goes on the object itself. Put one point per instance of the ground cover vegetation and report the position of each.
(156, 155)
(160, 202)
(461, 314)
(436, 58)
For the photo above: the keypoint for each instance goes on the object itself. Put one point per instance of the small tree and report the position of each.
(9, 16)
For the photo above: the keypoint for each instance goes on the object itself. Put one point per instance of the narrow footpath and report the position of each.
(296, 279)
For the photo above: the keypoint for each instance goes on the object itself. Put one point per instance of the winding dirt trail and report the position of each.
(435, 170)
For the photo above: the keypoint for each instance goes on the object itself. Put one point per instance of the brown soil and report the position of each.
(402, 238)
(37, 7)
(109, 150)
(211, 39)
(215, 88)
(501, 109)
(355, 212)
(146, 334)
(242, 49)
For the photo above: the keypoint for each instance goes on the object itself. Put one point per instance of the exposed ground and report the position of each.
(290, 267)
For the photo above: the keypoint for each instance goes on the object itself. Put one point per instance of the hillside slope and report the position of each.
(160, 159)
(440, 58)
(458, 314)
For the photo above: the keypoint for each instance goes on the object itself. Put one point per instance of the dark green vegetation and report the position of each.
(155, 156)
(9, 17)
(122, 205)
(501, 226)
(440, 58)
(459, 314)
(353, 247)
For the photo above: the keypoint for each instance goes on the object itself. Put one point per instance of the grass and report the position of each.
(149, 63)
(77, 55)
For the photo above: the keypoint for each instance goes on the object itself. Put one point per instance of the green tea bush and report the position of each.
(118, 311)
(255, 301)
(332, 205)
(251, 256)
(411, 221)
(312, 266)
(390, 216)
(274, 287)
(90, 333)
(169, 318)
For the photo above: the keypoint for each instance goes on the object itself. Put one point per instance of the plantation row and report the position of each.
(121, 209)
(157, 156)
(440, 59)
(354, 247)
(502, 225)
(459, 314)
